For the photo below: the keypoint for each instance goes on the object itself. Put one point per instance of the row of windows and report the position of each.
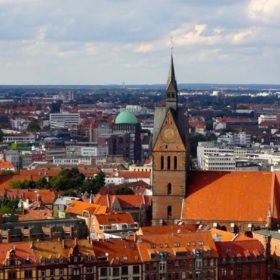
(165, 163)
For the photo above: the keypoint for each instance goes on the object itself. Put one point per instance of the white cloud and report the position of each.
(264, 10)
(13, 2)
(145, 48)
(243, 36)
(185, 35)
(90, 48)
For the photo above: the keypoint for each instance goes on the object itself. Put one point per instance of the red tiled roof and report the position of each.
(172, 243)
(167, 229)
(114, 218)
(124, 200)
(22, 251)
(233, 120)
(6, 165)
(243, 248)
(134, 174)
(231, 196)
(78, 207)
(38, 214)
(117, 251)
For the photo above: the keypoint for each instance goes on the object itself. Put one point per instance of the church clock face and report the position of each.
(168, 134)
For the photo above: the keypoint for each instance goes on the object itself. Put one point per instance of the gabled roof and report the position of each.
(117, 251)
(78, 207)
(167, 229)
(246, 248)
(114, 218)
(232, 196)
(61, 249)
(176, 143)
(134, 174)
(177, 242)
(22, 250)
(124, 201)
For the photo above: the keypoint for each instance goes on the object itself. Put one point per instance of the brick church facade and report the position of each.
(236, 201)
(170, 156)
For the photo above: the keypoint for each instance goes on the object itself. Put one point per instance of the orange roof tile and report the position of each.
(134, 174)
(167, 229)
(117, 251)
(231, 196)
(22, 251)
(169, 242)
(38, 214)
(78, 207)
(244, 248)
(114, 218)
(6, 165)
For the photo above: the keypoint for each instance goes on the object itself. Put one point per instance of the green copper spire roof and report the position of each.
(126, 117)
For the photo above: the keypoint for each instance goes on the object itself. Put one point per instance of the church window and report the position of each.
(169, 188)
(168, 162)
(161, 162)
(169, 212)
(175, 163)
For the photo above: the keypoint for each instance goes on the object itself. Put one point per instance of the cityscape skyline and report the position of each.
(111, 42)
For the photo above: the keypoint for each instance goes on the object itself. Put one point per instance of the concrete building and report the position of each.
(16, 231)
(64, 120)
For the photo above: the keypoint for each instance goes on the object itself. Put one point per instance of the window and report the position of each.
(28, 273)
(168, 162)
(116, 271)
(169, 212)
(136, 269)
(147, 266)
(52, 272)
(103, 271)
(162, 162)
(175, 163)
(169, 188)
(76, 271)
(124, 270)
(12, 275)
(89, 270)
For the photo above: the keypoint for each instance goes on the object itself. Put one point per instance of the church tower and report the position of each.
(170, 156)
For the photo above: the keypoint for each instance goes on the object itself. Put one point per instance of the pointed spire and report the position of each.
(171, 91)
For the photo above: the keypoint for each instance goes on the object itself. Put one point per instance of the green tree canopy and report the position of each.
(124, 190)
(33, 126)
(67, 179)
(95, 184)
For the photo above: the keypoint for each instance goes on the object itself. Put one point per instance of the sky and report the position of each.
(89, 42)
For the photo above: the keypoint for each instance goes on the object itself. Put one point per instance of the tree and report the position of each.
(25, 184)
(95, 184)
(124, 190)
(33, 126)
(8, 206)
(42, 183)
(68, 179)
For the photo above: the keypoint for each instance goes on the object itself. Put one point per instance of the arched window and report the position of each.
(162, 162)
(168, 162)
(175, 163)
(169, 212)
(169, 188)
